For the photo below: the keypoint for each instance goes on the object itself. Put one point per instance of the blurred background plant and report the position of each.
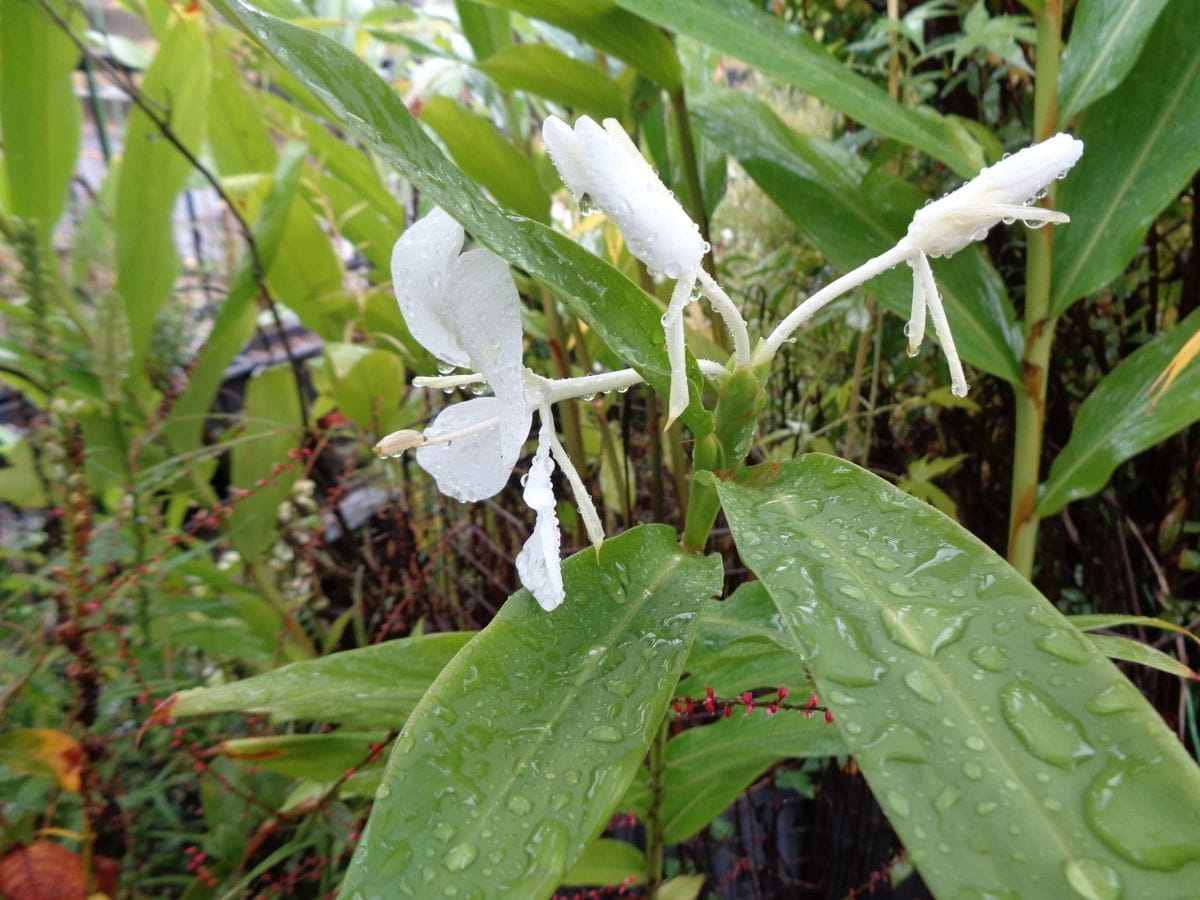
(200, 345)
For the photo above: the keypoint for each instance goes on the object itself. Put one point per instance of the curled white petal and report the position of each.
(672, 322)
(421, 262)
(482, 302)
(604, 165)
(478, 462)
(1002, 191)
(538, 563)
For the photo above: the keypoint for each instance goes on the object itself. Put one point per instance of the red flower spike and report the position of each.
(814, 701)
(828, 717)
(747, 698)
(772, 709)
(782, 692)
(689, 707)
(728, 710)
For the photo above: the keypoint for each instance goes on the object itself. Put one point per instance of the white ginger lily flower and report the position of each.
(1003, 192)
(465, 310)
(604, 166)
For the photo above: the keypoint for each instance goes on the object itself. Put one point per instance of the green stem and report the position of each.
(1039, 323)
(654, 827)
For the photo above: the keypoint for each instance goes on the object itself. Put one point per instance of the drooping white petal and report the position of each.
(915, 328)
(1002, 191)
(941, 326)
(421, 262)
(484, 310)
(583, 500)
(566, 154)
(538, 563)
(672, 322)
(479, 463)
(619, 181)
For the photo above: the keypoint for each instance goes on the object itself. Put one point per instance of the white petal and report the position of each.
(941, 326)
(672, 322)
(566, 154)
(999, 192)
(478, 465)
(421, 261)
(484, 309)
(538, 563)
(915, 327)
(621, 182)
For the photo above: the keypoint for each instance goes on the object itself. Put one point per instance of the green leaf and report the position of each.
(606, 27)
(1106, 38)
(235, 321)
(270, 427)
(546, 72)
(1116, 647)
(377, 685)
(785, 51)
(485, 155)
(371, 391)
(1140, 150)
(607, 862)
(515, 758)
(989, 728)
(681, 887)
(153, 172)
(317, 757)
(20, 482)
(1122, 417)
(39, 112)
(852, 213)
(487, 29)
(241, 143)
(620, 313)
(1108, 620)
(710, 766)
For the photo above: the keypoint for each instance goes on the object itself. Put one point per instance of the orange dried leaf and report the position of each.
(45, 752)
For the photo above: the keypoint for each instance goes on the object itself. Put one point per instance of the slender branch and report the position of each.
(147, 106)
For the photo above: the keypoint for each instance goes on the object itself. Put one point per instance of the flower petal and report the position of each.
(484, 310)
(478, 464)
(566, 154)
(538, 563)
(421, 261)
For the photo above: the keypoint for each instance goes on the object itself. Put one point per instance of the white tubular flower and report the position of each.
(1003, 192)
(464, 309)
(602, 165)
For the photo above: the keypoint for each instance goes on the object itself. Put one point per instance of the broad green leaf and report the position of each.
(607, 27)
(516, 756)
(240, 143)
(710, 766)
(270, 424)
(1140, 150)
(485, 155)
(546, 72)
(785, 51)
(620, 313)
(371, 391)
(377, 685)
(607, 862)
(681, 887)
(1106, 38)
(1108, 620)
(317, 757)
(1116, 647)
(486, 28)
(21, 484)
(1122, 417)
(989, 728)
(235, 320)
(852, 213)
(39, 112)
(153, 171)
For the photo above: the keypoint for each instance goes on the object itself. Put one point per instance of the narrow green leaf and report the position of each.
(39, 112)
(607, 27)
(710, 766)
(271, 427)
(852, 213)
(485, 155)
(377, 685)
(317, 757)
(235, 320)
(240, 143)
(487, 29)
(153, 172)
(515, 758)
(1106, 38)
(1108, 620)
(541, 70)
(1122, 417)
(988, 727)
(785, 51)
(111, 345)
(607, 862)
(1117, 647)
(620, 313)
(1140, 151)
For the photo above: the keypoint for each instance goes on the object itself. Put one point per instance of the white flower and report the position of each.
(1003, 192)
(464, 309)
(603, 166)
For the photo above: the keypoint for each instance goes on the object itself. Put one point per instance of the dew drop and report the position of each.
(1065, 645)
(604, 734)
(921, 684)
(973, 770)
(898, 804)
(923, 629)
(976, 743)
(1092, 880)
(1119, 697)
(460, 856)
(946, 798)
(519, 805)
(990, 657)
(1046, 730)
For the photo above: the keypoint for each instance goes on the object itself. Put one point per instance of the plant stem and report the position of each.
(1039, 323)
(654, 827)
